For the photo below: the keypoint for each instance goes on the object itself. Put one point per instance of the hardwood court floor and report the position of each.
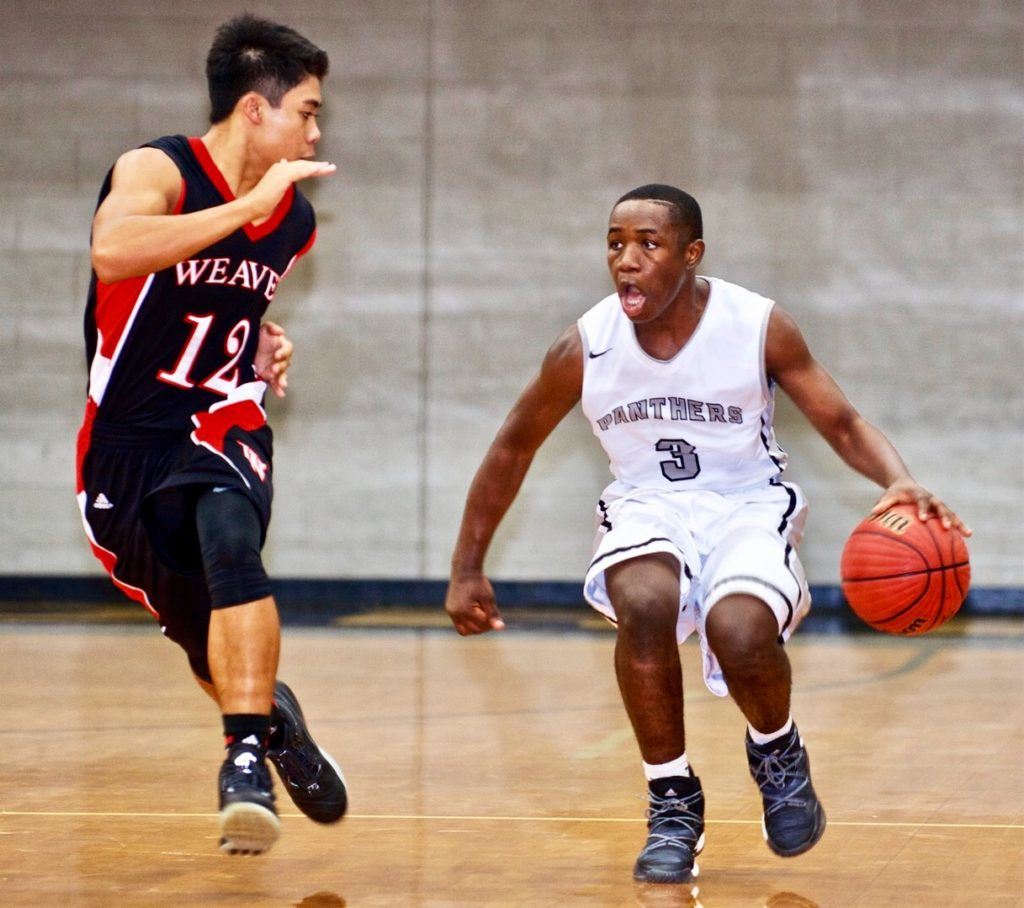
(501, 771)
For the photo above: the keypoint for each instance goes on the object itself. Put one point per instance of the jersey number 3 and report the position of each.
(683, 462)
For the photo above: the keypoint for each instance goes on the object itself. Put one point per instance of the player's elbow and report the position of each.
(109, 262)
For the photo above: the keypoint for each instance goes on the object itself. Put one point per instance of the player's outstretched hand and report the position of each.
(928, 504)
(268, 191)
(273, 357)
(471, 606)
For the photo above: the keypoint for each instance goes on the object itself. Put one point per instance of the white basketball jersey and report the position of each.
(702, 420)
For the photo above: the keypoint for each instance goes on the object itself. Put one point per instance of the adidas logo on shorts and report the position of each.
(102, 502)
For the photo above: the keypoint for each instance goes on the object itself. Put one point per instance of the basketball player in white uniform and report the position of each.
(698, 533)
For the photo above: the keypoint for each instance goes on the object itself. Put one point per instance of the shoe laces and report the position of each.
(672, 821)
(299, 767)
(257, 776)
(782, 777)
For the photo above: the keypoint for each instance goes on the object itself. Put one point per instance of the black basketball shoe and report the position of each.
(310, 776)
(248, 818)
(675, 831)
(793, 818)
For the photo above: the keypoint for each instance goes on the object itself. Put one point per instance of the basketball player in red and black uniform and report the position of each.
(190, 239)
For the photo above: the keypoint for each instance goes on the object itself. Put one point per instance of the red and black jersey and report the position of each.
(163, 346)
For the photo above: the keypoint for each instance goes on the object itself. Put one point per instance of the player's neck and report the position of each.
(229, 147)
(664, 336)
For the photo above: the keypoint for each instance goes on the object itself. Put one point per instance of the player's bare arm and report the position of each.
(135, 233)
(860, 444)
(545, 401)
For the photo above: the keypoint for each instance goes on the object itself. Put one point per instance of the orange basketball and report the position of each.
(903, 575)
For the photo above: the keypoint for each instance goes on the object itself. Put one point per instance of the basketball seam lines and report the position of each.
(940, 615)
(944, 567)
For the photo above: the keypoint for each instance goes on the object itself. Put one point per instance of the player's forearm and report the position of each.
(866, 449)
(494, 488)
(134, 245)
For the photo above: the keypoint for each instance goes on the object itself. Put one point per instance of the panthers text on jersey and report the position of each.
(702, 420)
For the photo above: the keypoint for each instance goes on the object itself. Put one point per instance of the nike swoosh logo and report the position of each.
(602, 353)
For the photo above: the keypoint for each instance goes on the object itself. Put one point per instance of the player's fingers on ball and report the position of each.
(958, 524)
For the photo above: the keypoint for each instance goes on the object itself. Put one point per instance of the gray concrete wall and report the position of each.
(859, 161)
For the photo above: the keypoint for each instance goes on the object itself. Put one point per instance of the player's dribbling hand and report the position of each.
(928, 504)
(471, 606)
(273, 357)
(275, 182)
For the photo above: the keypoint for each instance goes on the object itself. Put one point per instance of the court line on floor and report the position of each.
(503, 819)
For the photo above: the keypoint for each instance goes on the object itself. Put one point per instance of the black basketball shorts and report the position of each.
(137, 492)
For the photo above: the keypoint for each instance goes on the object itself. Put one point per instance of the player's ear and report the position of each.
(251, 106)
(694, 253)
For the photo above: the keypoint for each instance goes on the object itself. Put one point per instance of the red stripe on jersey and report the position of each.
(214, 424)
(83, 443)
(211, 169)
(114, 306)
(181, 199)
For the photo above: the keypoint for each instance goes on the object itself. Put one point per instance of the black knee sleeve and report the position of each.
(229, 538)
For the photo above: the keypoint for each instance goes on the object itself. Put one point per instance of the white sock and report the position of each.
(760, 738)
(680, 766)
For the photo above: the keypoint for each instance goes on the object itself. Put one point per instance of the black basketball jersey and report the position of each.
(163, 346)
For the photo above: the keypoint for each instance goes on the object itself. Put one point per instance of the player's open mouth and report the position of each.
(631, 299)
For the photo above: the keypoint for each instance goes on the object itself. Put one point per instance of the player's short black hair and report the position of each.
(252, 54)
(685, 210)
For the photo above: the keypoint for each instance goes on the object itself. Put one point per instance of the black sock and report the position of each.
(276, 739)
(247, 730)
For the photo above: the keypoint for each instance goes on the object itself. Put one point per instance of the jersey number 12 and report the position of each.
(225, 379)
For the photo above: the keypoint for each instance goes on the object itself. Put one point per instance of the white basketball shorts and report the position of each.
(726, 543)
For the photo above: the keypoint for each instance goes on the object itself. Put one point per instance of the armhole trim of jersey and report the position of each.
(583, 338)
(180, 204)
(766, 383)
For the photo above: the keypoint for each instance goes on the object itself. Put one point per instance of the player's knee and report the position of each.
(230, 539)
(742, 631)
(641, 612)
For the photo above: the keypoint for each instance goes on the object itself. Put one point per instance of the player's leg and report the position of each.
(310, 775)
(743, 633)
(756, 593)
(645, 595)
(243, 645)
